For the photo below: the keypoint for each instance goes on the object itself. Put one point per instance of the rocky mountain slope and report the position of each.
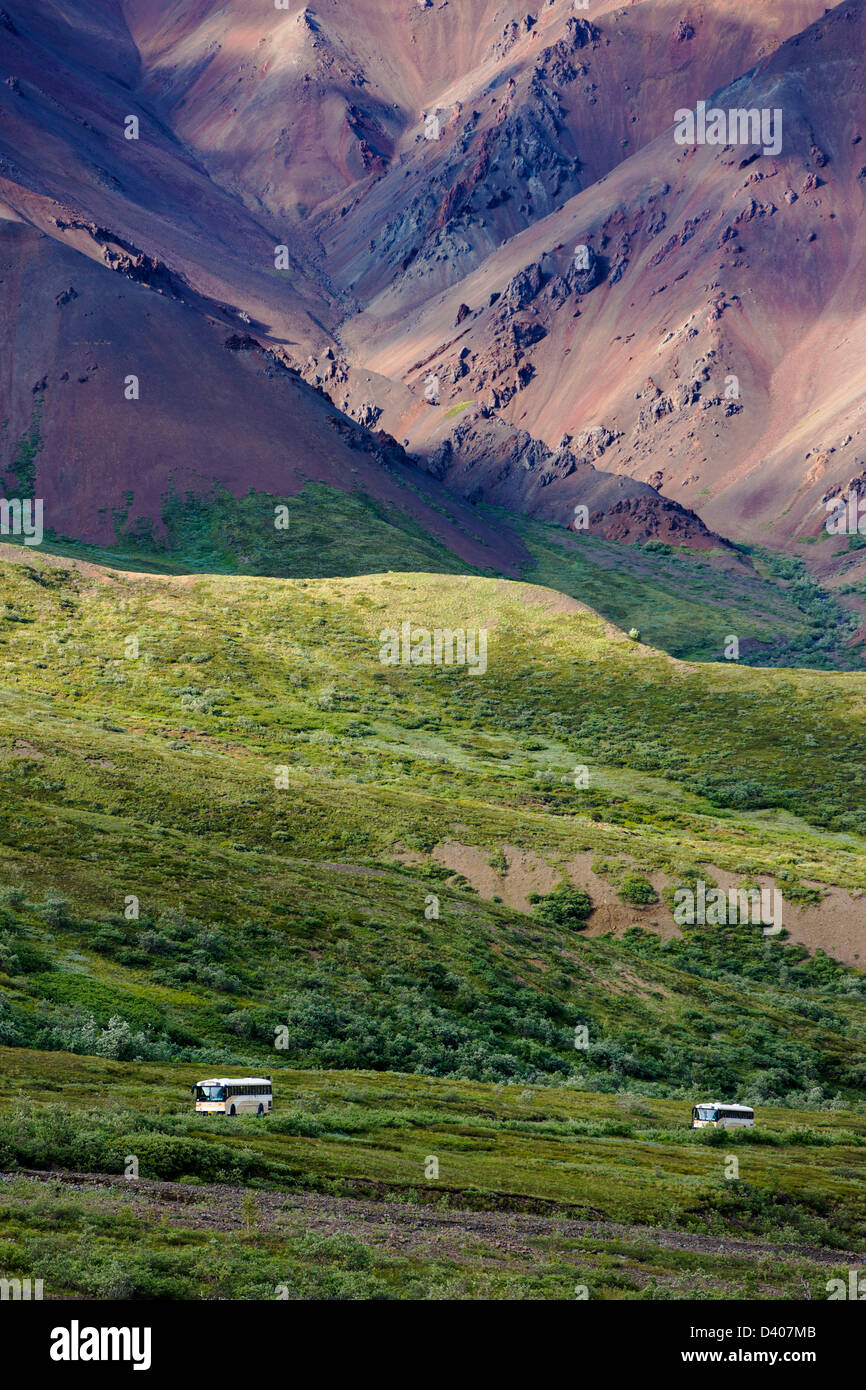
(469, 226)
(693, 320)
(143, 141)
(120, 399)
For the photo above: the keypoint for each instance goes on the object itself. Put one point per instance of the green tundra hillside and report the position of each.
(435, 902)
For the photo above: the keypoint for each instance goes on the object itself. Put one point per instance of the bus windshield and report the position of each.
(706, 1112)
(210, 1092)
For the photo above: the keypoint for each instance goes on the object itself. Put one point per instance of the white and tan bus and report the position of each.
(713, 1114)
(234, 1095)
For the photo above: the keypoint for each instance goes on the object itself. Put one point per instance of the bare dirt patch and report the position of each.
(21, 749)
(836, 925)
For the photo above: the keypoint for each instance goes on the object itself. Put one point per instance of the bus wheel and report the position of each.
(232, 1110)
(261, 1110)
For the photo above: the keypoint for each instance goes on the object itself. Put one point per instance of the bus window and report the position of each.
(210, 1092)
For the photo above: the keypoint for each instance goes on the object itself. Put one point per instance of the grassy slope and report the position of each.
(684, 602)
(690, 603)
(154, 776)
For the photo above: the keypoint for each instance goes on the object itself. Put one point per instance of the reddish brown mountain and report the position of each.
(431, 170)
